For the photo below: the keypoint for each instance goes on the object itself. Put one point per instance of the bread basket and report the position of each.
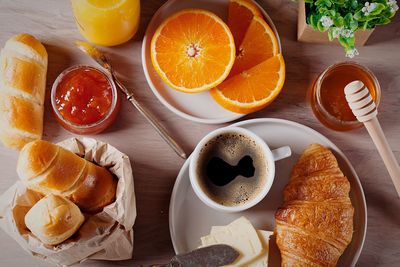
(107, 235)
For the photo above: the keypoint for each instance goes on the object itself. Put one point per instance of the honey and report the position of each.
(328, 100)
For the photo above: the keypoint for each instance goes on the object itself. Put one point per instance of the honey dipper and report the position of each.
(364, 108)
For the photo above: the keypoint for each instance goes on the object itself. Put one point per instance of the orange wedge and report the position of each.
(240, 14)
(259, 44)
(253, 89)
(193, 50)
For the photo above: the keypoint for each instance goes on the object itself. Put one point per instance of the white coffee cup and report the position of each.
(270, 156)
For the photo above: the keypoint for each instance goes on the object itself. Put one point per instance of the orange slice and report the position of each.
(259, 44)
(193, 50)
(252, 89)
(240, 14)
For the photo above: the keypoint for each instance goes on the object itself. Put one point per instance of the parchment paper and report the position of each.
(107, 235)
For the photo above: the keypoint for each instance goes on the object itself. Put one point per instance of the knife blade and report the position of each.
(211, 256)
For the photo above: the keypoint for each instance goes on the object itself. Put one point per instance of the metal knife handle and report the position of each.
(153, 121)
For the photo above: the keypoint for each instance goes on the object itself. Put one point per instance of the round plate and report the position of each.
(190, 219)
(198, 107)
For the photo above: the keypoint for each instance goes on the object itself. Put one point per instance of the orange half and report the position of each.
(253, 89)
(193, 50)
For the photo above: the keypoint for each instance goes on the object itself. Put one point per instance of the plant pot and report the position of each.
(307, 34)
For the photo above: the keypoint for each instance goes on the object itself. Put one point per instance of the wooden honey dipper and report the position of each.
(364, 108)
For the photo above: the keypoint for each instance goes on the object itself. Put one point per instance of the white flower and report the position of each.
(346, 33)
(326, 21)
(368, 8)
(337, 32)
(351, 53)
(393, 5)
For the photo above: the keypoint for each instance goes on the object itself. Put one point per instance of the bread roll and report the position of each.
(51, 169)
(23, 67)
(53, 219)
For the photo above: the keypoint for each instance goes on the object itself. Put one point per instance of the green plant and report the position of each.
(341, 18)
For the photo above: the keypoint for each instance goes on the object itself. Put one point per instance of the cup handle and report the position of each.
(281, 153)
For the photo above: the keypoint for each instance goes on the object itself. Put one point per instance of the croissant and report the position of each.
(315, 224)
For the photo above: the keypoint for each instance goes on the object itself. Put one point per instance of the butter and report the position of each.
(252, 244)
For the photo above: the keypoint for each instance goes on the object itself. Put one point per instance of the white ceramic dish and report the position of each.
(189, 218)
(195, 107)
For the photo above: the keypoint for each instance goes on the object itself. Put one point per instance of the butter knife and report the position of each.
(211, 256)
(101, 59)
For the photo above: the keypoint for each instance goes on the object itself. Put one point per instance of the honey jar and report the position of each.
(328, 100)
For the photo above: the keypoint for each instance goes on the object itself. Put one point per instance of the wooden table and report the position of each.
(155, 165)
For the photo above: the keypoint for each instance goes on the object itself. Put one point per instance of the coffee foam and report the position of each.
(231, 147)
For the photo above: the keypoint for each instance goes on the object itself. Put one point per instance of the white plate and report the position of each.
(189, 218)
(195, 107)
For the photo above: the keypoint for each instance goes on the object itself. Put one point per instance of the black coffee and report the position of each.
(221, 173)
(232, 169)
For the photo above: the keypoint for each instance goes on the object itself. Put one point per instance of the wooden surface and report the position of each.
(155, 165)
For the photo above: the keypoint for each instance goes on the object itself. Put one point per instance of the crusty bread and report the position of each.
(23, 67)
(51, 169)
(315, 224)
(53, 219)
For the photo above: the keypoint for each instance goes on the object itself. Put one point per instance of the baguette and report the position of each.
(23, 67)
(51, 169)
(54, 219)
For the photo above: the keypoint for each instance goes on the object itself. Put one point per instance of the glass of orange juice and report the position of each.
(107, 22)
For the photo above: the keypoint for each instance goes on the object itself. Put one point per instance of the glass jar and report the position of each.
(85, 100)
(328, 100)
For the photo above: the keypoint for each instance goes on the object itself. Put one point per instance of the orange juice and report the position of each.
(328, 100)
(107, 22)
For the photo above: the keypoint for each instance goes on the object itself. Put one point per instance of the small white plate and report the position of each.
(190, 219)
(195, 107)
